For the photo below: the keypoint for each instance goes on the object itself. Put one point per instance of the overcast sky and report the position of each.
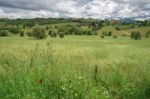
(100, 9)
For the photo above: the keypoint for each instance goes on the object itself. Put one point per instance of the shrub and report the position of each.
(107, 33)
(29, 34)
(75, 30)
(136, 35)
(115, 36)
(118, 28)
(39, 32)
(132, 35)
(47, 28)
(4, 33)
(147, 34)
(89, 32)
(50, 32)
(104, 33)
(64, 29)
(61, 34)
(56, 26)
(102, 36)
(94, 33)
(54, 34)
(21, 34)
(14, 30)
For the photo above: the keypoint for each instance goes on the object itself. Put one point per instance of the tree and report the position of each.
(61, 34)
(39, 32)
(136, 35)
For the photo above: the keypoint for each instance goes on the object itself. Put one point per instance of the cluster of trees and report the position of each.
(95, 23)
(12, 29)
(74, 30)
(32, 22)
(81, 27)
(40, 33)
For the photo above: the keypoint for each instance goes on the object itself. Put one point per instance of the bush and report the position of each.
(56, 26)
(39, 32)
(107, 33)
(89, 32)
(115, 36)
(136, 35)
(50, 32)
(118, 28)
(102, 36)
(29, 34)
(21, 34)
(61, 34)
(64, 29)
(147, 34)
(75, 30)
(54, 34)
(14, 30)
(95, 33)
(4, 33)
(47, 28)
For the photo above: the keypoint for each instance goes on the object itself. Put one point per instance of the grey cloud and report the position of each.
(74, 8)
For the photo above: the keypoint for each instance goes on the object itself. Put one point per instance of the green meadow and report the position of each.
(75, 67)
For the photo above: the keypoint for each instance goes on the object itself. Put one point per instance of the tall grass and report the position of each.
(74, 68)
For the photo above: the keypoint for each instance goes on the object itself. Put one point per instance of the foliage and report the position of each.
(102, 36)
(115, 36)
(75, 30)
(21, 33)
(4, 33)
(12, 29)
(64, 29)
(54, 34)
(39, 32)
(50, 32)
(61, 34)
(147, 34)
(107, 33)
(29, 34)
(118, 28)
(136, 35)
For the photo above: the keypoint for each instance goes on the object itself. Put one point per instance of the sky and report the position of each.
(98, 9)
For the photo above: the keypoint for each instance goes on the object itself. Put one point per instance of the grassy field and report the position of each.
(75, 67)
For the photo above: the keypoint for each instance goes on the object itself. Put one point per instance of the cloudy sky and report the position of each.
(100, 9)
